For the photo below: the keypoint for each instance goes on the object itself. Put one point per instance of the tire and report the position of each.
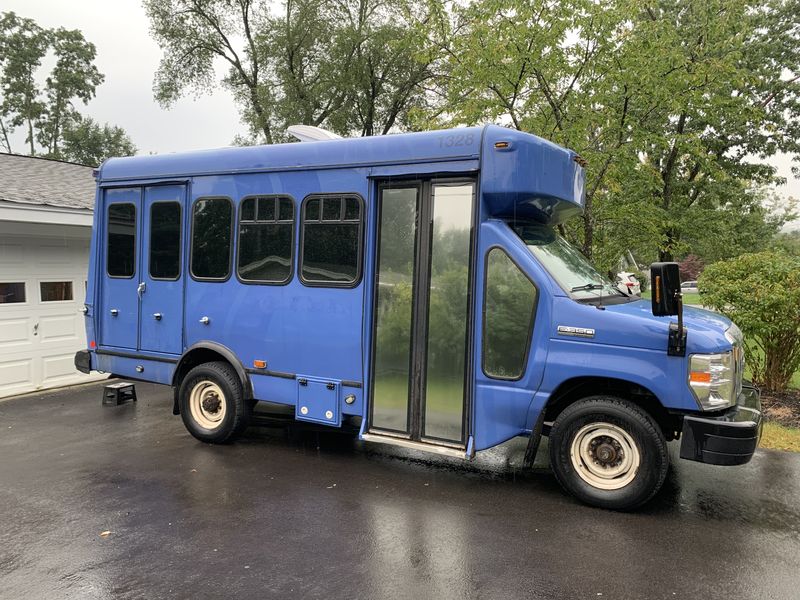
(608, 452)
(213, 406)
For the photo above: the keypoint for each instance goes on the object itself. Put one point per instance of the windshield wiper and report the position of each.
(588, 286)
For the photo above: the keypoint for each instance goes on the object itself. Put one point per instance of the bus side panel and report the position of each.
(295, 328)
(123, 366)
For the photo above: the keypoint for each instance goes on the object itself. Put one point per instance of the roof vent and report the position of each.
(309, 133)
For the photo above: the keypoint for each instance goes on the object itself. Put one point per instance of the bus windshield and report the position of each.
(576, 275)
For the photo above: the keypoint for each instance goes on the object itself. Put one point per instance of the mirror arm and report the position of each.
(677, 333)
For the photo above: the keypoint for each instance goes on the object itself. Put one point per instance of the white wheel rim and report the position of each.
(605, 456)
(207, 404)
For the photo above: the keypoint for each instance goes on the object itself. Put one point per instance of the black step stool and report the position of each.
(115, 394)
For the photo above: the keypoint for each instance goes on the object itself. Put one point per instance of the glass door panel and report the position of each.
(448, 303)
(422, 311)
(394, 287)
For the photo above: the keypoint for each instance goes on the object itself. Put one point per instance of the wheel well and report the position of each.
(578, 388)
(199, 356)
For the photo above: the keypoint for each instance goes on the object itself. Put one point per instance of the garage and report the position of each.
(45, 229)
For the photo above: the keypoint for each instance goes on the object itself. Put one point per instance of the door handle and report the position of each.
(141, 289)
(36, 329)
(205, 320)
(114, 312)
(157, 316)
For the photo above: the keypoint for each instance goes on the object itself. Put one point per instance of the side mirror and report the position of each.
(665, 282)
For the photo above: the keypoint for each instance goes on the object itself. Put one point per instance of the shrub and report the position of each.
(761, 294)
(691, 267)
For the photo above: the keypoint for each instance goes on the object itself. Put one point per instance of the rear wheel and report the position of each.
(608, 452)
(213, 407)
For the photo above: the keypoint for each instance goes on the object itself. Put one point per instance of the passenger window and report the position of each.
(509, 311)
(121, 254)
(55, 291)
(211, 239)
(266, 230)
(165, 240)
(331, 246)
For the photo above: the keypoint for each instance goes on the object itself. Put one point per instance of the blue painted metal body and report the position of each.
(322, 335)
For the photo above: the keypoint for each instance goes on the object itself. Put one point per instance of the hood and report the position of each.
(633, 324)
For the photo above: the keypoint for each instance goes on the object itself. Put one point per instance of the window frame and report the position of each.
(135, 239)
(24, 283)
(291, 199)
(180, 241)
(72, 289)
(231, 243)
(360, 253)
(531, 320)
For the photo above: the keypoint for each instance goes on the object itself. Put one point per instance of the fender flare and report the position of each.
(227, 354)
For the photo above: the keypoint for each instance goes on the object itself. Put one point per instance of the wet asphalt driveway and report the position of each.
(293, 514)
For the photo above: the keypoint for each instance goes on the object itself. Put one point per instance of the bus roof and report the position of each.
(523, 174)
(403, 148)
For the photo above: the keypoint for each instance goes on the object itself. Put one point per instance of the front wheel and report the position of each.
(213, 407)
(608, 452)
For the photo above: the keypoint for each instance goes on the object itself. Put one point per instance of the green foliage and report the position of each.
(760, 292)
(356, 66)
(670, 103)
(87, 142)
(47, 112)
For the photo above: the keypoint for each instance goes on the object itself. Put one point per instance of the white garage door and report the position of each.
(42, 289)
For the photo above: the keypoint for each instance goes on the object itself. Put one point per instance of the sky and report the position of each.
(128, 57)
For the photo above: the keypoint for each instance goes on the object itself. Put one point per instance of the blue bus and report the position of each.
(413, 286)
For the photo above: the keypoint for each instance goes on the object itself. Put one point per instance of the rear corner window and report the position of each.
(12, 292)
(211, 239)
(121, 250)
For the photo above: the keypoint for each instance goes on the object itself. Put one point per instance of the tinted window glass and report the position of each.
(211, 238)
(265, 243)
(121, 256)
(510, 302)
(312, 210)
(165, 240)
(331, 245)
(55, 291)
(12, 293)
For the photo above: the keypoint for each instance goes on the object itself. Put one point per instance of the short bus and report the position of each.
(414, 285)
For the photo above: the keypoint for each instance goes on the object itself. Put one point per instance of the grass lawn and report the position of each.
(779, 437)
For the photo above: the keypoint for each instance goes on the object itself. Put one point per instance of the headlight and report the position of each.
(712, 378)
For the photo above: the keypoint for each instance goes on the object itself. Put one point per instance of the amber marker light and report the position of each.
(501, 145)
(700, 377)
(260, 364)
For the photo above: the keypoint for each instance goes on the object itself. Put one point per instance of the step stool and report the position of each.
(115, 394)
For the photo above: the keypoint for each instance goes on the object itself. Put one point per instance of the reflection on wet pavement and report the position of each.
(300, 514)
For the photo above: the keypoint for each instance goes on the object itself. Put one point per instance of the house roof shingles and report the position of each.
(40, 181)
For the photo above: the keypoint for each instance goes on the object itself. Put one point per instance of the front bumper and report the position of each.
(730, 438)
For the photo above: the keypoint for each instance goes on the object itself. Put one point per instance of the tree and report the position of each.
(48, 113)
(23, 44)
(669, 102)
(87, 142)
(761, 293)
(74, 76)
(355, 66)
